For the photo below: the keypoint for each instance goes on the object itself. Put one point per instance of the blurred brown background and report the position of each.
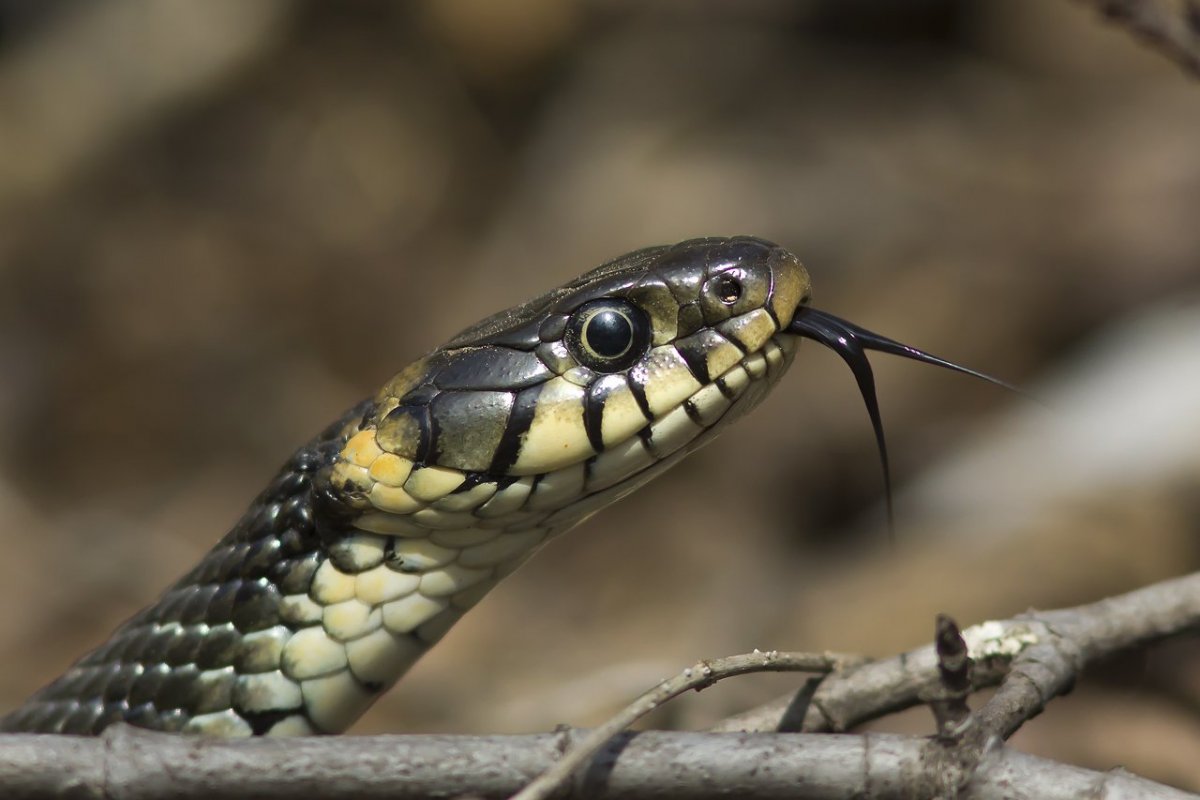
(223, 223)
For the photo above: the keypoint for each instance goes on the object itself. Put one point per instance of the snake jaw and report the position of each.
(851, 342)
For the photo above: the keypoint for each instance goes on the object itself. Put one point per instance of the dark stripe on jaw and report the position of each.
(588, 466)
(694, 353)
(690, 319)
(404, 422)
(638, 390)
(519, 421)
(646, 434)
(697, 349)
(594, 403)
(472, 480)
(429, 456)
(733, 340)
(533, 485)
(262, 721)
(593, 414)
(725, 390)
(693, 413)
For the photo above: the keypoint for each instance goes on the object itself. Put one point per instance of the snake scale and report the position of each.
(381, 532)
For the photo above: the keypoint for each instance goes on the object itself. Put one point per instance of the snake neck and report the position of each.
(343, 573)
(209, 656)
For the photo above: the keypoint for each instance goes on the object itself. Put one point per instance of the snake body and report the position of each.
(380, 533)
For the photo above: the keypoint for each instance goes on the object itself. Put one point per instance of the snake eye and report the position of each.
(725, 288)
(608, 335)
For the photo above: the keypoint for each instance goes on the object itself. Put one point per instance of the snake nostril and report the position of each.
(726, 288)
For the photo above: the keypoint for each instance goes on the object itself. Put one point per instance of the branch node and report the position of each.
(949, 700)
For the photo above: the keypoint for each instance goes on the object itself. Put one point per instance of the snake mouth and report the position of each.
(851, 342)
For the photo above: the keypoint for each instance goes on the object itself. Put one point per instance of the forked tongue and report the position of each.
(851, 343)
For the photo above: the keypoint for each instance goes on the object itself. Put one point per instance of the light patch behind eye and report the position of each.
(556, 435)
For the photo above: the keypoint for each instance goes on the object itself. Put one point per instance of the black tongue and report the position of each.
(851, 343)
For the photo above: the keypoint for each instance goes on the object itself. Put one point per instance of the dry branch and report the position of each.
(700, 676)
(127, 764)
(1170, 26)
(1046, 651)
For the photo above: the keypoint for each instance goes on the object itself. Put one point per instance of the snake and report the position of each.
(377, 535)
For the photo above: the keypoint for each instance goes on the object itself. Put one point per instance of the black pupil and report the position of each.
(608, 333)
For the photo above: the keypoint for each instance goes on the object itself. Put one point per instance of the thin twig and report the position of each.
(859, 694)
(1050, 648)
(700, 676)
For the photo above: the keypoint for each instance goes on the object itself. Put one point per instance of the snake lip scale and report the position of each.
(381, 532)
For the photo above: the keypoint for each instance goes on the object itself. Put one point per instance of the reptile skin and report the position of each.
(385, 529)
(377, 535)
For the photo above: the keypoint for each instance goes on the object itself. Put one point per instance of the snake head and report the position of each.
(545, 412)
(579, 395)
